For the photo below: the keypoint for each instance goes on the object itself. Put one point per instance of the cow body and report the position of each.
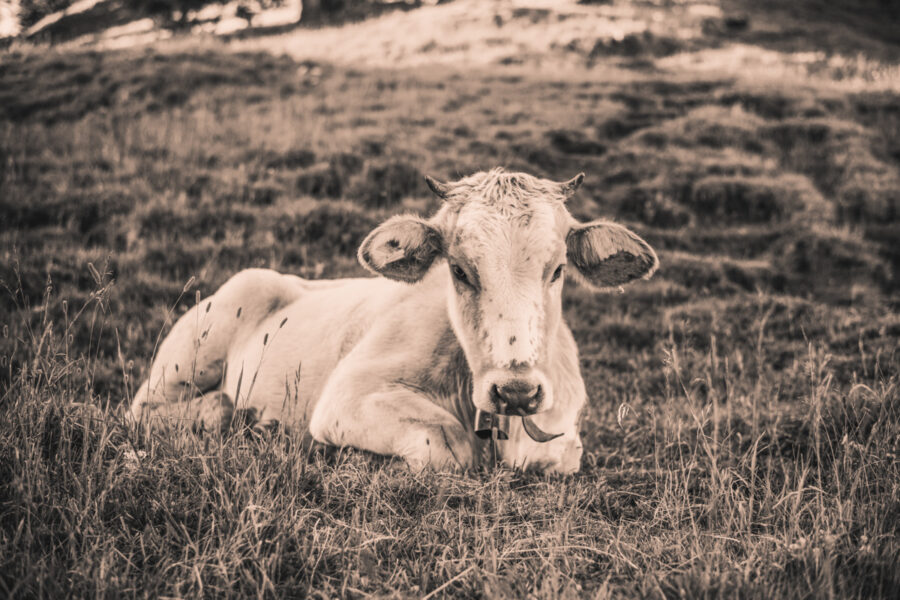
(466, 317)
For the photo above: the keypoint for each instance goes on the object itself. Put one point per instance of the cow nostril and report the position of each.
(535, 399)
(498, 399)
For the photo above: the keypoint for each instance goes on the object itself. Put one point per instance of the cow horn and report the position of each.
(568, 188)
(536, 433)
(440, 189)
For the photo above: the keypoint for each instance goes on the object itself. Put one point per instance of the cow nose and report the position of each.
(517, 397)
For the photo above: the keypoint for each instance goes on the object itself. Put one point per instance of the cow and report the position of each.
(464, 317)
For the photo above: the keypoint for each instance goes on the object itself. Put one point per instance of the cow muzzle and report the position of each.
(503, 394)
(517, 397)
(518, 393)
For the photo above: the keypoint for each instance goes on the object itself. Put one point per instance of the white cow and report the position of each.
(466, 315)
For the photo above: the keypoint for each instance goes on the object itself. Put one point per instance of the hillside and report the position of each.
(742, 435)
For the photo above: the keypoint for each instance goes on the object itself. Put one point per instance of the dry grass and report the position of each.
(742, 438)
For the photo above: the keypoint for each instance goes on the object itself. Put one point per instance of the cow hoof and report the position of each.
(215, 412)
(86, 412)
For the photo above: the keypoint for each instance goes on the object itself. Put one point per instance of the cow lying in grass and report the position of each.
(466, 316)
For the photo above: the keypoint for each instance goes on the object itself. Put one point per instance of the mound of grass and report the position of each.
(635, 45)
(829, 263)
(575, 142)
(741, 242)
(731, 200)
(79, 211)
(858, 27)
(385, 185)
(181, 224)
(651, 206)
(838, 156)
(55, 86)
(328, 228)
(721, 276)
(295, 158)
(708, 126)
(331, 179)
(321, 181)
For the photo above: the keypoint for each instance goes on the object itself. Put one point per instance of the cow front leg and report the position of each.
(208, 412)
(395, 422)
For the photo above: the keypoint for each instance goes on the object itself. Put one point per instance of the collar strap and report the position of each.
(486, 423)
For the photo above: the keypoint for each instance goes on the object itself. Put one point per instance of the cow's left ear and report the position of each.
(401, 248)
(608, 255)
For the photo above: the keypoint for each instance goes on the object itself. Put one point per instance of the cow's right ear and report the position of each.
(401, 248)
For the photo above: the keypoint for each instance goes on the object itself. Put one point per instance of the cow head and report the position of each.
(507, 241)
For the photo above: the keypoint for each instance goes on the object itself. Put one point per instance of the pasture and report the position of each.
(743, 431)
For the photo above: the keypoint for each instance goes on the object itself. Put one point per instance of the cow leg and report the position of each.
(208, 412)
(191, 360)
(396, 421)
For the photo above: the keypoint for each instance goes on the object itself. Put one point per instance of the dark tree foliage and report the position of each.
(32, 11)
(167, 7)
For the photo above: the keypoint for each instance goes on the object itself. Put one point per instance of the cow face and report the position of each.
(507, 240)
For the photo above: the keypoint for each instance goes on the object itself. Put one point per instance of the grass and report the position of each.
(742, 435)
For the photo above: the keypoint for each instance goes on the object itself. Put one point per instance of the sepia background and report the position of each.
(743, 428)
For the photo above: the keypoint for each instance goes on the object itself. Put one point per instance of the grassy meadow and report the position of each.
(743, 432)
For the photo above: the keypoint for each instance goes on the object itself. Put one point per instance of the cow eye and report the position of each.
(459, 274)
(557, 273)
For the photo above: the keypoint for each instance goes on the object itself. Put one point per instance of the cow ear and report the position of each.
(401, 248)
(608, 255)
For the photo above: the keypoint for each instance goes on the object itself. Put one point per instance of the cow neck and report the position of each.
(447, 379)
